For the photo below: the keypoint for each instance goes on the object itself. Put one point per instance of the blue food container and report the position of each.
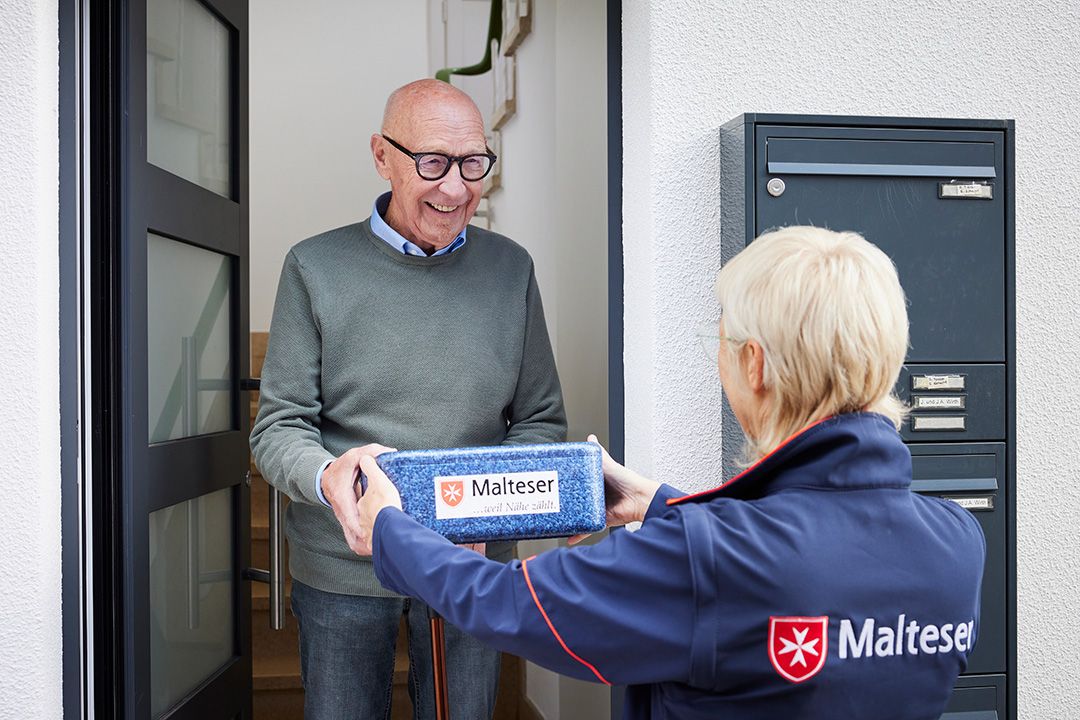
(507, 492)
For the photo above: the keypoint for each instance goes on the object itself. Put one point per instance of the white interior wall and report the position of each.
(580, 233)
(525, 209)
(318, 81)
(554, 202)
(30, 619)
(689, 66)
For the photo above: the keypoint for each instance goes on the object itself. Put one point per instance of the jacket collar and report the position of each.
(849, 451)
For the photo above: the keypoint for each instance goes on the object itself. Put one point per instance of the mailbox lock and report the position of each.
(776, 187)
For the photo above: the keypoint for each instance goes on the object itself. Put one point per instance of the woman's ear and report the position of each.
(753, 366)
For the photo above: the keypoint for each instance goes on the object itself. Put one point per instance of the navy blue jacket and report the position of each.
(813, 585)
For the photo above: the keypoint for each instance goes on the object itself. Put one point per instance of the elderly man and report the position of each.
(408, 329)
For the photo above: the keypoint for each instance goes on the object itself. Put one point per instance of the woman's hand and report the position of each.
(626, 494)
(380, 493)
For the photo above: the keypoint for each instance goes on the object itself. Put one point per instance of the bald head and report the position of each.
(429, 117)
(429, 100)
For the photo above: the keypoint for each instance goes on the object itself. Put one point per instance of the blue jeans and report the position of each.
(347, 658)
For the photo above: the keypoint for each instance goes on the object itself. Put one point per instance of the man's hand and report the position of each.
(341, 488)
(380, 494)
(626, 494)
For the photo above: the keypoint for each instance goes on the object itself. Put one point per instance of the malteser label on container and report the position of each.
(521, 493)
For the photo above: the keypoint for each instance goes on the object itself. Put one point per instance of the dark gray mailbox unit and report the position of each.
(937, 196)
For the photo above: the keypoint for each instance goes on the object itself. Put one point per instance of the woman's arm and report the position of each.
(621, 611)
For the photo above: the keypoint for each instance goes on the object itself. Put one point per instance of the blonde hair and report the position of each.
(830, 315)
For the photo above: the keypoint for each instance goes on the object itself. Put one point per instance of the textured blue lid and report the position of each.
(504, 492)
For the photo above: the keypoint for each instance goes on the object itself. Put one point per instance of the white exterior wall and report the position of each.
(30, 637)
(691, 65)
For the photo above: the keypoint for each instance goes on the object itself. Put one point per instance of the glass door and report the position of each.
(183, 289)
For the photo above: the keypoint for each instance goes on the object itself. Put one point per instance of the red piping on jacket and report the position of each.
(684, 498)
(525, 568)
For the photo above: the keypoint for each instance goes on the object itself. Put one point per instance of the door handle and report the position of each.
(275, 576)
(277, 563)
(193, 570)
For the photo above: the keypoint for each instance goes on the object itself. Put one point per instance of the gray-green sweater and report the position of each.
(370, 345)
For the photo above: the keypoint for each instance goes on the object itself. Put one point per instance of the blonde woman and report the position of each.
(814, 584)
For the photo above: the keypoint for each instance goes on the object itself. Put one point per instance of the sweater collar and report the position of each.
(849, 451)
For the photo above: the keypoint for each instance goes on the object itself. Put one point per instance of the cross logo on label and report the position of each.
(452, 492)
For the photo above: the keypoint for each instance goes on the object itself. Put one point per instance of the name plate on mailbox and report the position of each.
(937, 422)
(950, 402)
(979, 503)
(937, 382)
(968, 190)
(938, 402)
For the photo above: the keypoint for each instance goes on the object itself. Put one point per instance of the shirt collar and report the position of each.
(395, 240)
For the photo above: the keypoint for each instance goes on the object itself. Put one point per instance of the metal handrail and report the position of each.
(494, 33)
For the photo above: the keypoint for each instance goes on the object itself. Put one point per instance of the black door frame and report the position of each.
(120, 196)
(616, 427)
(71, 89)
(616, 407)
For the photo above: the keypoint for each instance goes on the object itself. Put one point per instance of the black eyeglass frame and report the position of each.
(450, 160)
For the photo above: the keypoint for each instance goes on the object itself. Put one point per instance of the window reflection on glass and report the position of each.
(191, 595)
(188, 317)
(187, 93)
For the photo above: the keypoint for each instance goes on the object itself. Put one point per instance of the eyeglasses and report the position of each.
(434, 166)
(710, 338)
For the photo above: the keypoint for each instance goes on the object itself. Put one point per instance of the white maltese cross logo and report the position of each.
(452, 492)
(798, 646)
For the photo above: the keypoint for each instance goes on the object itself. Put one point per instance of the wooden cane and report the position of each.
(438, 665)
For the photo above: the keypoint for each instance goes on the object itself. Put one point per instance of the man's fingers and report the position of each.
(361, 548)
(357, 543)
(348, 516)
(372, 470)
(373, 449)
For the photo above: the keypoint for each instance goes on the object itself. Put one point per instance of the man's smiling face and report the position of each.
(430, 213)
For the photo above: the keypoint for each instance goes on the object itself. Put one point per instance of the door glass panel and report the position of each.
(188, 114)
(189, 315)
(191, 595)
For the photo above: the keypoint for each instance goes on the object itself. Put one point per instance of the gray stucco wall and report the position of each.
(690, 65)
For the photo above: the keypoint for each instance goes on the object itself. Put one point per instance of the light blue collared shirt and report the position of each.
(395, 240)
